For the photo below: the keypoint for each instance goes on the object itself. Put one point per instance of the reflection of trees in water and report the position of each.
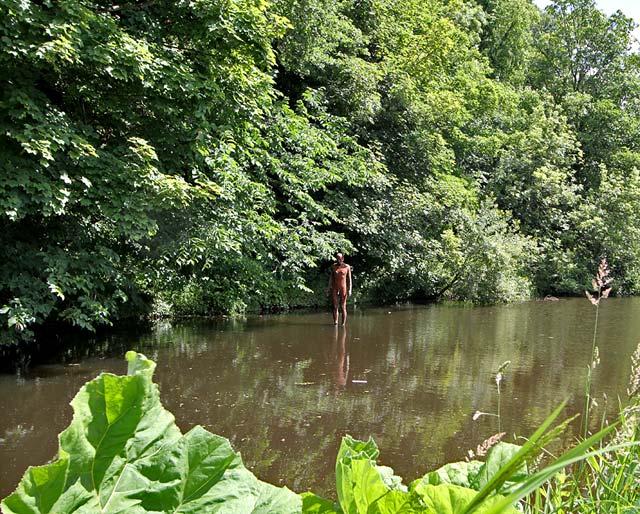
(258, 406)
(273, 392)
(425, 376)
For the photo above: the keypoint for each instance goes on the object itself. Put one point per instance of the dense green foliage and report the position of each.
(209, 156)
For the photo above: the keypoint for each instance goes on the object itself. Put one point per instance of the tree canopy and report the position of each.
(210, 156)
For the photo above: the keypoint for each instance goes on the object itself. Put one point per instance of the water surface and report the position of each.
(285, 389)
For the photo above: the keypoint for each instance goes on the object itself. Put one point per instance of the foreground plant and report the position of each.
(123, 452)
(608, 480)
(365, 487)
(498, 378)
(602, 287)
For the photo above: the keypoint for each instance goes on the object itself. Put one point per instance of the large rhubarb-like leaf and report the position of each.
(366, 488)
(453, 499)
(314, 504)
(497, 458)
(363, 486)
(456, 473)
(475, 475)
(123, 452)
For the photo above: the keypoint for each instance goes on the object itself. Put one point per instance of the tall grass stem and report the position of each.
(587, 403)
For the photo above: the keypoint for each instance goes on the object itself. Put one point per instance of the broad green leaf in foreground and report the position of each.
(361, 483)
(123, 452)
(453, 499)
(497, 458)
(366, 488)
(456, 473)
(314, 504)
(475, 474)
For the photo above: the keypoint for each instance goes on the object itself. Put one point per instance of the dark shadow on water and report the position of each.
(56, 345)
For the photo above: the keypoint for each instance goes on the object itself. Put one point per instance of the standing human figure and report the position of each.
(339, 287)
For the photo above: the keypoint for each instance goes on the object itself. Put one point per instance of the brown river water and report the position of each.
(284, 389)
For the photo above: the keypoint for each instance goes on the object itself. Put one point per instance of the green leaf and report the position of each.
(453, 499)
(456, 473)
(397, 502)
(124, 453)
(577, 454)
(314, 504)
(57, 290)
(358, 482)
(364, 487)
(497, 458)
(513, 466)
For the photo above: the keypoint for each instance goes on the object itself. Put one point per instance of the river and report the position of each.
(285, 388)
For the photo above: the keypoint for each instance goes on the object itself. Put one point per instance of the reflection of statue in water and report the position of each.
(339, 360)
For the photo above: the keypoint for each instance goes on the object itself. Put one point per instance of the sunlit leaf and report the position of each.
(123, 452)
